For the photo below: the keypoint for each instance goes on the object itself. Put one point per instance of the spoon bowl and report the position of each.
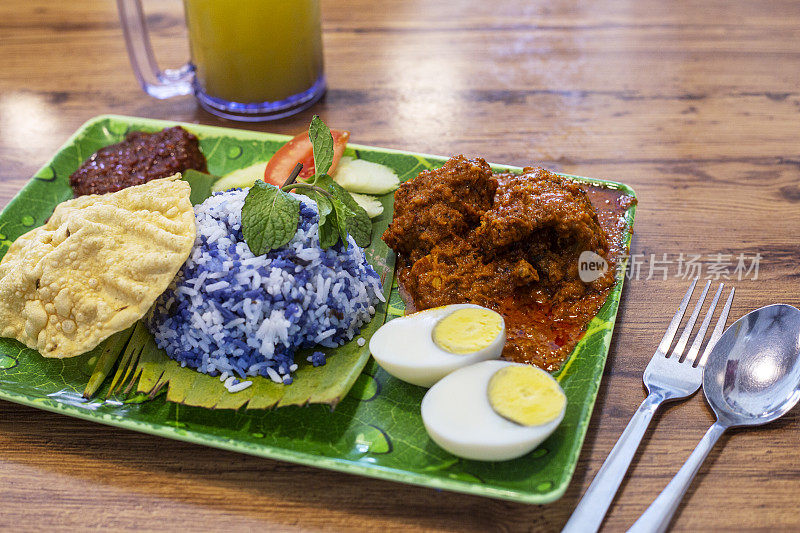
(752, 375)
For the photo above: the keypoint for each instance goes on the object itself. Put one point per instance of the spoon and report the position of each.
(751, 378)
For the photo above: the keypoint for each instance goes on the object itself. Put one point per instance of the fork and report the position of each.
(669, 376)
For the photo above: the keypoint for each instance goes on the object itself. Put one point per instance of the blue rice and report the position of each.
(229, 311)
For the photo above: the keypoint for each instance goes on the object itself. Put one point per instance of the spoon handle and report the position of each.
(591, 510)
(658, 516)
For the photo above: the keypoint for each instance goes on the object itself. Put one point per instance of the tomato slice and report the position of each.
(300, 150)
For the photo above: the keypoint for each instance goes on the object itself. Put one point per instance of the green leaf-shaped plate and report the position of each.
(375, 431)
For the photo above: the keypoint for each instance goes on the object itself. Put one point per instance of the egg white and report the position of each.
(458, 417)
(404, 347)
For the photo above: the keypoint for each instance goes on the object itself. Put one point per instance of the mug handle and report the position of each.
(158, 83)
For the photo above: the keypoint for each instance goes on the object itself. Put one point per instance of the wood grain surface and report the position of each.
(693, 103)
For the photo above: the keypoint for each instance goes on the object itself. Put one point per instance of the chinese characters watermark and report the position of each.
(689, 266)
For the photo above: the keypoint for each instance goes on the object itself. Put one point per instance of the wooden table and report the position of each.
(695, 104)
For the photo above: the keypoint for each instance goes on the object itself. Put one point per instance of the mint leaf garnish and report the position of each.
(340, 219)
(359, 226)
(351, 217)
(322, 142)
(269, 217)
(328, 232)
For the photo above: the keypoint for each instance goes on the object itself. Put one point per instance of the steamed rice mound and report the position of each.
(230, 311)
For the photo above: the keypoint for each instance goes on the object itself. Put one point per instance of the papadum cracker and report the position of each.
(95, 267)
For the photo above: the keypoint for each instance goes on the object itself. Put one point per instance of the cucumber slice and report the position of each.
(241, 178)
(359, 176)
(371, 205)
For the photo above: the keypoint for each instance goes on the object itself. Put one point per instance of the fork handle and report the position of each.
(658, 516)
(589, 514)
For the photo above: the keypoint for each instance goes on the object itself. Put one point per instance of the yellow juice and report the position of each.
(251, 51)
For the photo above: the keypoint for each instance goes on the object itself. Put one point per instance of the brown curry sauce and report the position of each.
(509, 242)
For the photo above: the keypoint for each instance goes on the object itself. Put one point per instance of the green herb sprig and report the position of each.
(270, 215)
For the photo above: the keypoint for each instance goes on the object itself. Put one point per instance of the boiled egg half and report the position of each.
(422, 348)
(493, 410)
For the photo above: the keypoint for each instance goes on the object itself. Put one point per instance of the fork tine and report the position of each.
(718, 329)
(701, 333)
(677, 352)
(666, 341)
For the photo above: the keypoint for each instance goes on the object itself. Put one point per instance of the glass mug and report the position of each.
(251, 60)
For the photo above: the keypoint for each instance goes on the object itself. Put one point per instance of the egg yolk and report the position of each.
(525, 395)
(467, 330)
